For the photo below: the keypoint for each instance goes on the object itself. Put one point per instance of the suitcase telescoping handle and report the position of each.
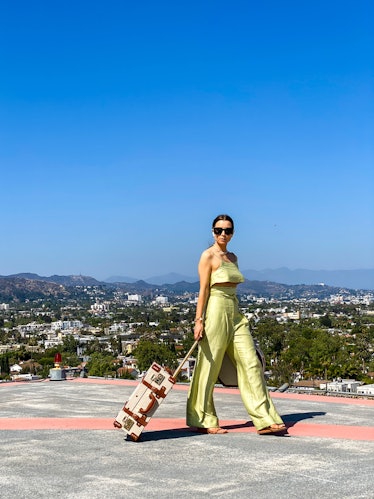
(179, 368)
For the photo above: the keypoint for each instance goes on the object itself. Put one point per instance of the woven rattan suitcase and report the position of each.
(147, 397)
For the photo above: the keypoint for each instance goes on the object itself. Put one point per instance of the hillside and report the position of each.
(19, 289)
(32, 287)
(65, 280)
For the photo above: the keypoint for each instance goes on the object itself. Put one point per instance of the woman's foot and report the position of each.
(273, 429)
(212, 431)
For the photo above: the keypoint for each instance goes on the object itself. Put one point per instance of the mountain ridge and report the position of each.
(352, 279)
(69, 280)
(20, 288)
(361, 279)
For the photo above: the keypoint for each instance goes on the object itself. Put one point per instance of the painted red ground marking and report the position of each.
(161, 424)
(56, 424)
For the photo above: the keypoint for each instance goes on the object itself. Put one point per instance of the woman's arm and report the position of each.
(205, 269)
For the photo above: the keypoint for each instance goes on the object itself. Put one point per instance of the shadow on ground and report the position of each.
(289, 419)
(292, 419)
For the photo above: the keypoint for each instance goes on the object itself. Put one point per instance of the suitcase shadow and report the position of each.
(151, 436)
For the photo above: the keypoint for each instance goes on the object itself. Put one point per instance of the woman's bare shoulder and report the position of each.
(207, 254)
(206, 258)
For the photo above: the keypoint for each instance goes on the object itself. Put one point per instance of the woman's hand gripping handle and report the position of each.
(199, 329)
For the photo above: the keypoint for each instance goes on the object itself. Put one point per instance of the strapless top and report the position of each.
(226, 272)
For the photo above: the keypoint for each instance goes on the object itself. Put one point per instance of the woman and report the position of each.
(220, 328)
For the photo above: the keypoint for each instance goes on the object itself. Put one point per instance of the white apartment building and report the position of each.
(344, 385)
(31, 328)
(366, 390)
(117, 327)
(134, 299)
(53, 342)
(161, 300)
(99, 308)
(66, 325)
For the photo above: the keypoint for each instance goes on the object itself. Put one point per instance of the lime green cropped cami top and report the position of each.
(226, 272)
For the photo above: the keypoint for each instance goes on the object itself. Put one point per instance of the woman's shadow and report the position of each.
(289, 419)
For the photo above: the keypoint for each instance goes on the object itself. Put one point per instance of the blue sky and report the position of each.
(126, 127)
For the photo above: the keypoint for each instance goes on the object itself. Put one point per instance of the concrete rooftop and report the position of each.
(57, 440)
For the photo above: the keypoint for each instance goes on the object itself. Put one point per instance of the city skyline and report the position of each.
(127, 129)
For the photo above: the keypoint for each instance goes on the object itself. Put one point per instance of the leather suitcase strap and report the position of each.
(159, 392)
(140, 420)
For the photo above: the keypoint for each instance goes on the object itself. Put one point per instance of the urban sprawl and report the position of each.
(316, 345)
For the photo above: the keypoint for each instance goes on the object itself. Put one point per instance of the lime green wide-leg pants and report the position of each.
(226, 330)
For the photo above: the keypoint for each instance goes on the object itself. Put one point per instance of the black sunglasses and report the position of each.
(218, 231)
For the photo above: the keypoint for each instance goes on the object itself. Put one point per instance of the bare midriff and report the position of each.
(225, 284)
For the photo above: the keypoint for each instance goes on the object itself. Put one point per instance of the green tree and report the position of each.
(297, 355)
(126, 375)
(281, 372)
(148, 352)
(101, 364)
(363, 347)
(116, 345)
(70, 359)
(323, 353)
(187, 342)
(69, 344)
(326, 321)
(271, 337)
(95, 346)
(4, 365)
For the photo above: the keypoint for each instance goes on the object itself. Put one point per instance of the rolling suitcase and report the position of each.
(147, 397)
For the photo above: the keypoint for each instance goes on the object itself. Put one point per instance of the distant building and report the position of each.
(366, 390)
(50, 343)
(15, 369)
(188, 367)
(99, 308)
(344, 385)
(23, 377)
(292, 316)
(134, 299)
(65, 325)
(161, 300)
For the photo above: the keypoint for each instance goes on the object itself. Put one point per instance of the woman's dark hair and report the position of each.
(223, 217)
